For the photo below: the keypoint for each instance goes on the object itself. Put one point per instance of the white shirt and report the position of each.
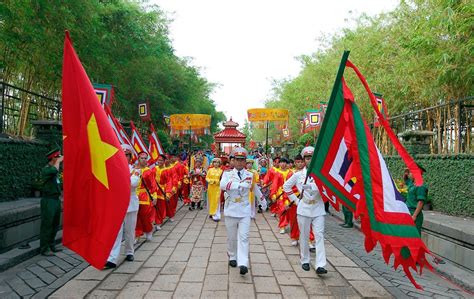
(311, 205)
(135, 177)
(236, 197)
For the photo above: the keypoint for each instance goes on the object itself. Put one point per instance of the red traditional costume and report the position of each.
(164, 193)
(147, 191)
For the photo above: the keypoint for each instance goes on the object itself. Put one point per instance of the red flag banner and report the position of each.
(119, 130)
(155, 147)
(137, 141)
(349, 169)
(96, 174)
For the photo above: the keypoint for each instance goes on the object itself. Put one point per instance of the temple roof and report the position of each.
(230, 133)
(231, 123)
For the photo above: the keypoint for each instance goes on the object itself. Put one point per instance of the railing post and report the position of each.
(459, 126)
(2, 87)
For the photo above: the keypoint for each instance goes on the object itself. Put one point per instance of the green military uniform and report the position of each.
(416, 194)
(50, 208)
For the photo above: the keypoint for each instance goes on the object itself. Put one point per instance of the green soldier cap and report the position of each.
(53, 153)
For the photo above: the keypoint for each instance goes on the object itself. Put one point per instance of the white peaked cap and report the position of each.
(307, 151)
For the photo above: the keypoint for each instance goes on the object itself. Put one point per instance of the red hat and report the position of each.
(53, 154)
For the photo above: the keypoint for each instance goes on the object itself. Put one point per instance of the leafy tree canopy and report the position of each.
(120, 42)
(415, 56)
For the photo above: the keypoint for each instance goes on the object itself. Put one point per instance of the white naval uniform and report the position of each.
(310, 211)
(130, 221)
(237, 213)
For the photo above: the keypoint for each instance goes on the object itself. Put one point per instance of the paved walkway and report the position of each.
(40, 276)
(188, 259)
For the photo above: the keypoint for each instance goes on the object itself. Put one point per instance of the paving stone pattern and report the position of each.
(188, 258)
(351, 243)
(40, 276)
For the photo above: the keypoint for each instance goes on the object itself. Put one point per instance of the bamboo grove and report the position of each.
(419, 55)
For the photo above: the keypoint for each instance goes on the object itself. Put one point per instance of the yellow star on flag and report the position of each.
(99, 151)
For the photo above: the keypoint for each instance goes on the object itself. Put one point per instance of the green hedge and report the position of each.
(20, 163)
(450, 181)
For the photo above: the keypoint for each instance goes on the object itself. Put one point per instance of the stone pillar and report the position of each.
(50, 131)
(417, 141)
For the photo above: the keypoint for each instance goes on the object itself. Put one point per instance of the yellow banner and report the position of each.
(190, 121)
(267, 114)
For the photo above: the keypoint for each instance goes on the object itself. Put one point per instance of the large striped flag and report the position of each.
(155, 149)
(137, 141)
(349, 169)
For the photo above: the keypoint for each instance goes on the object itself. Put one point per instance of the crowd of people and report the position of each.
(240, 184)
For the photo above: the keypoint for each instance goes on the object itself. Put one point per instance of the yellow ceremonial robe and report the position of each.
(213, 179)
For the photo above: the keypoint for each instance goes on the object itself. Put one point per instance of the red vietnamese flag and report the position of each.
(96, 175)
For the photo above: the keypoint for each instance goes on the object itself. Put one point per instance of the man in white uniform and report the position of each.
(130, 221)
(235, 184)
(310, 211)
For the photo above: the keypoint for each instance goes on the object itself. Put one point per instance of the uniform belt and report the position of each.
(310, 202)
(146, 203)
(237, 199)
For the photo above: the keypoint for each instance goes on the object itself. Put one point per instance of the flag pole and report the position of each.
(266, 139)
(340, 72)
(189, 160)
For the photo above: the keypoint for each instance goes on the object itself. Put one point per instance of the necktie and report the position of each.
(238, 172)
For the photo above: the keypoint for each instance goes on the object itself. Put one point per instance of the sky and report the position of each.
(244, 45)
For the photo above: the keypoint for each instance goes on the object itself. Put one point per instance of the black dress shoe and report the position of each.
(47, 253)
(347, 226)
(243, 270)
(305, 267)
(321, 270)
(130, 257)
(54, 249)
(233, 263)
(190, 208)
(342, 224)
(109, 265)
(312, 250)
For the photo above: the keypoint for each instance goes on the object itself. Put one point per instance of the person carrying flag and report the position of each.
(164, 185)
(310, 212)
(147, 192)
(177, 172)
(129, 223)
(277, 196)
